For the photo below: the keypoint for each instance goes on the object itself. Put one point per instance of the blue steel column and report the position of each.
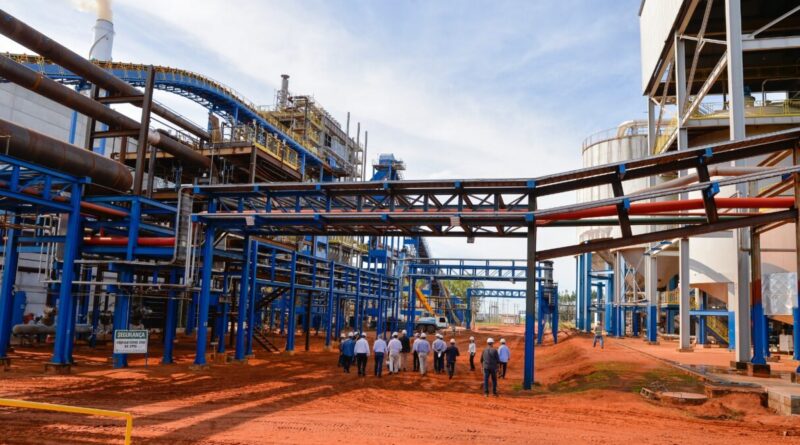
(253, 289)
(65, 331)
(171, 322)
(539, 315)
(587, 302)
(205, 291)
(530, 297)
(191, 315)
(554, 314)
(331, 304)
(757, 308)
(290, 331)
(412, 305)
(243, 297)
(358, 303)
(651, 287)
(701, 320)
(468, 315)
(579, 290)
(10, 260)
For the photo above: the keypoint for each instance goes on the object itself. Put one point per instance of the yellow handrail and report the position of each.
(76, 410)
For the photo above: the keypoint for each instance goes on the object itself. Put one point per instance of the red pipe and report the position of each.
(149, 241)
(647, 208)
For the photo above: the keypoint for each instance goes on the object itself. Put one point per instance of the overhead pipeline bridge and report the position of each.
(212, 95)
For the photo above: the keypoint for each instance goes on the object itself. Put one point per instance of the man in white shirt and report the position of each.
(395, 347)
(438, 354)
(379, 348)
(422, 348)
(472, 351)
(362, 352)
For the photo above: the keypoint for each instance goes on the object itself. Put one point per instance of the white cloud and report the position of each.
(443, 88)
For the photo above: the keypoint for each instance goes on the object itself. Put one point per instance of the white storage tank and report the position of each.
(624, 142)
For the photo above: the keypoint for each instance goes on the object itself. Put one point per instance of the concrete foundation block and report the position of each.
(754, 370)
(783, 403)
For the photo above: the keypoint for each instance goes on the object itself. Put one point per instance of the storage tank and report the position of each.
(624, 142)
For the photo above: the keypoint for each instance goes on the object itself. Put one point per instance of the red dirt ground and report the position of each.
(583, 395)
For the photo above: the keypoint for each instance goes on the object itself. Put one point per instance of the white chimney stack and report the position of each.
(103, 40)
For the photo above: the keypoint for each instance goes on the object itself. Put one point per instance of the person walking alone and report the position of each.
(422, 348)
(472, 349)
(348, 352)
(598, 335)
(489, 361)
(450, 354)
(406, 342)
(362, 352)
(439, 347)
(394, 346)
(504, 354)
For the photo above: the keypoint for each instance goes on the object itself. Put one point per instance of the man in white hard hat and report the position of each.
(504, 354)
(362, 352)
(439, 347)
(422, 348)
(379, 348)
(348, 352)
(472, 349)
(451, 353)
(395, 346)
(406, 342)
(489, 360)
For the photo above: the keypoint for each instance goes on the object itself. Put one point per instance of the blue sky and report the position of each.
(454, 88)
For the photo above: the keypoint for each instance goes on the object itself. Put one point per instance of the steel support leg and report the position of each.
(756, 305)
(292, 305)
(10, 261)
(683, 307)
(554, 314)
(205, 296)
(651, 287)
(331, 304)
(530, 306)
(241, 309)
(64, 330)
(171, 321)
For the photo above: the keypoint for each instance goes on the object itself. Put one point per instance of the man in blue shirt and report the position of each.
(422, 348)
(348, 352)
(438, 354)
(505, 354)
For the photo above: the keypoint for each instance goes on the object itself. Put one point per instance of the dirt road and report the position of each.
(583, 395)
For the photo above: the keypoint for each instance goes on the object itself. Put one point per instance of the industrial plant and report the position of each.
(168, 280)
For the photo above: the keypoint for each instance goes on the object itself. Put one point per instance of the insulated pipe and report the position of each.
(31, 146)
(32, 39)
(149, 241)
(647, 208)
(42, 85)
(714, 170)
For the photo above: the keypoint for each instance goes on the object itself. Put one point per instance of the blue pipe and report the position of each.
(331, 304)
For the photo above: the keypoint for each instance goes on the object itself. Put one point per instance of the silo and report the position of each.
(624, 142)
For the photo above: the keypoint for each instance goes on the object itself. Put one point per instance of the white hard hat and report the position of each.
(503, 340)
(453, 340)
(438, 335)
(472, 338)
(350, 335)
(490, 340)
(394, 334)
(363, 335)
(422, 335)
(404, 332)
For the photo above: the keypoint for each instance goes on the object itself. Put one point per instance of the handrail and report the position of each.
(75, 410)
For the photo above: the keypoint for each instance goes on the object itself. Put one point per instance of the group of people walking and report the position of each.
(355, 348)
